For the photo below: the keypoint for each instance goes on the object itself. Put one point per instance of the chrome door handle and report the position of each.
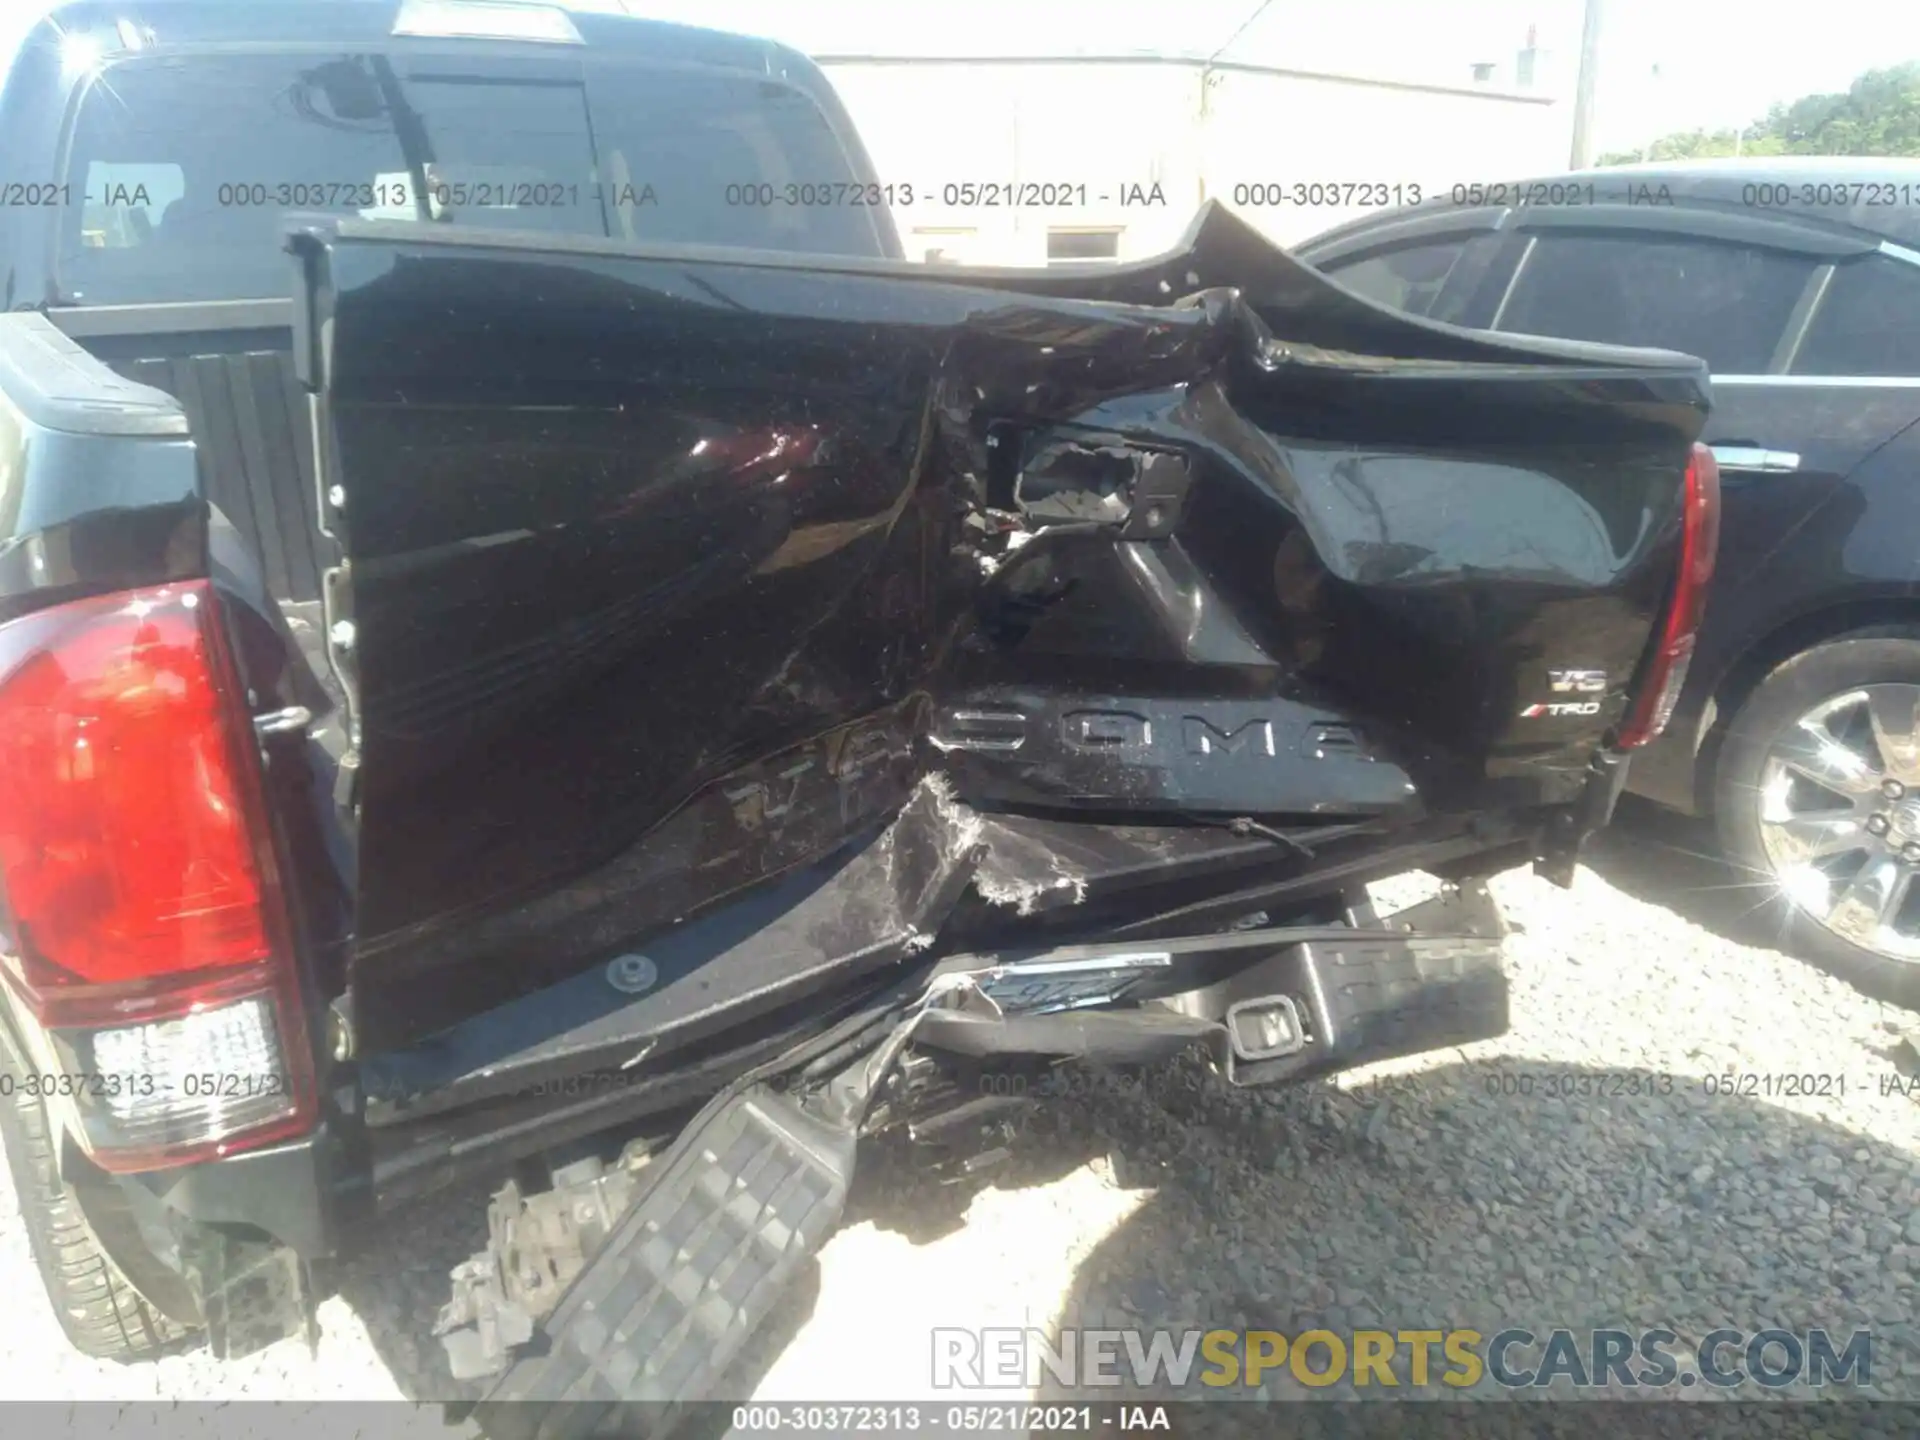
(1752, 457)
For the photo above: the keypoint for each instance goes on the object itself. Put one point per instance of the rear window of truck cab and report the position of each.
(182, 168)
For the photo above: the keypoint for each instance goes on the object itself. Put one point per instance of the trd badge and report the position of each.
(1577, 682)
(1565, 707)
(1570, 682)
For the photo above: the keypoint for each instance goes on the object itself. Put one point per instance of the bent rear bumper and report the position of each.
(1266, 1006)
(716, 1228)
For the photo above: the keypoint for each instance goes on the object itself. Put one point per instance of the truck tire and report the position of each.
(103, 1315)
(1783, 793)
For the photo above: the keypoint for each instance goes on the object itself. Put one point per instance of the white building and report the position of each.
(1018, 160)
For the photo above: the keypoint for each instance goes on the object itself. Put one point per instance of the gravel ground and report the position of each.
(1418, 1196)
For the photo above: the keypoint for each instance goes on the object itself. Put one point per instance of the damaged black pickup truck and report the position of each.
(642, 708)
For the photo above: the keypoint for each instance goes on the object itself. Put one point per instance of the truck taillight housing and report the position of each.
(141, 919)
(1666, 671)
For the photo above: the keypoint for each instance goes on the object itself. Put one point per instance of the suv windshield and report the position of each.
(182, 168)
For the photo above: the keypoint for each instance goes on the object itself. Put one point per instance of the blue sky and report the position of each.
(1719, 63)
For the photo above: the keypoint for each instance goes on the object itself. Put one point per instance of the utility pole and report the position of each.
(1584, 86)
(1660, 110)
(1208, 78)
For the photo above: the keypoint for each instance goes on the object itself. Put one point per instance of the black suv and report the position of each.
(1798, 281)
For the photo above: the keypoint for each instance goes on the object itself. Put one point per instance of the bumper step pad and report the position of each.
(752, 1189)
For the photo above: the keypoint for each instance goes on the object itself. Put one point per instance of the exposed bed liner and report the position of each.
(253, 435)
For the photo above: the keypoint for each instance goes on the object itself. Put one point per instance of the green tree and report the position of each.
(1879, 114)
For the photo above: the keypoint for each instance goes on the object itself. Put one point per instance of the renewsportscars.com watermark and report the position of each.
(1007, 1358)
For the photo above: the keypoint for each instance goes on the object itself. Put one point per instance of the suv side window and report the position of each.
(1408, 277)
(1868, 322)
(1726, 303)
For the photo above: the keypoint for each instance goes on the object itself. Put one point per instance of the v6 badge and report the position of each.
(1570, 682)
(1577, 682)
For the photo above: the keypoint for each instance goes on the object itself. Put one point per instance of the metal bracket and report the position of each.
(340, 638)
(253, 1293)
(1753, 457)
(290, 721)
(537, 1246)
(1159, 496)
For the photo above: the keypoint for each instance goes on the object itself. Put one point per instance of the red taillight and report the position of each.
(125, 847)
(1666, 673)
(137, 888)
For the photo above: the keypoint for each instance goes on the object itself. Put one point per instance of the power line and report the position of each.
(1259, 10)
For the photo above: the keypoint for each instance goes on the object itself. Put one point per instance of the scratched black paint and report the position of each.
(622, 529)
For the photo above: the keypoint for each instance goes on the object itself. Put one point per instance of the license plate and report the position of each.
(1038, 987)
